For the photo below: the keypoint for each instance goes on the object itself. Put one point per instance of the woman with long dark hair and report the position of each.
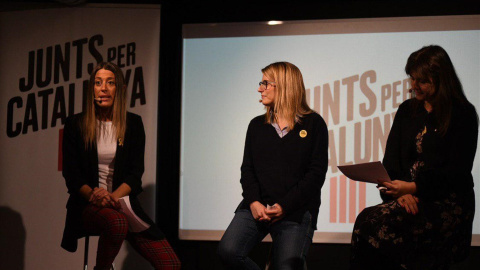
(425, 220)
(103, 161)
(284, 166)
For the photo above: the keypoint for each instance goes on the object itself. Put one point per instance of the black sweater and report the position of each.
(289, 171)
(448, 159)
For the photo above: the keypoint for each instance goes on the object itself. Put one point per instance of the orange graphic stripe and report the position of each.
(362, 196)
(333, 200)
(352, 208)
(343, 199)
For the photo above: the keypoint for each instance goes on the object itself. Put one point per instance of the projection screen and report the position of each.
(354, 74)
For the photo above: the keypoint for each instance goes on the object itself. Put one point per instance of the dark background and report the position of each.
(202, 254)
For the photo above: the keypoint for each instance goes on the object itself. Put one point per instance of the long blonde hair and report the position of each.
(118, 113)
(290, 99)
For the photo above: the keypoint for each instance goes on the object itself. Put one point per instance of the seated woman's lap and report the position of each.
(388, 226)
(291, 241)
(105, 221)
(435, 236)
(112, 226)
(241, 236)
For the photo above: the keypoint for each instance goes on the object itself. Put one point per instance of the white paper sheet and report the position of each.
(135, 224)
(370, 172)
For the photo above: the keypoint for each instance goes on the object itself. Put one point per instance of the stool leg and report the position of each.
(85, 254)
(268, 266)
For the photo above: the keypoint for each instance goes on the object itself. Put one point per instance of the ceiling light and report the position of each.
(274, 22)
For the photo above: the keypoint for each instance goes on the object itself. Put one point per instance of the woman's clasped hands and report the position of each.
(102, 198)
(267, 214)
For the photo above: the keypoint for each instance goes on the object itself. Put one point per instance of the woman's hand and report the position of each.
(398, 188)
(102, 198)
(258, 211)
(113, 202)
(275, 212)
(104, 202)
(108, 201)
(409, 202)
(97, 195)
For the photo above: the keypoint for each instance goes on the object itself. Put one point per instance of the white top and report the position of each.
(106, 148)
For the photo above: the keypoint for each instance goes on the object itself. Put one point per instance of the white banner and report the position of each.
(354, 74)
(46, 56)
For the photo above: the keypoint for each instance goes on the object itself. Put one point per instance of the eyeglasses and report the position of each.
(264, 84)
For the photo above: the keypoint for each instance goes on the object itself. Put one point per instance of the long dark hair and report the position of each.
(432, 62)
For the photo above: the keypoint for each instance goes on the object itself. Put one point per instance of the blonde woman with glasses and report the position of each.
(284, 165)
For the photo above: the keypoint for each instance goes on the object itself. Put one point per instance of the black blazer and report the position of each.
(80, 167)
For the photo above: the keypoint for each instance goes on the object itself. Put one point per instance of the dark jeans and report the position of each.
(291, 241)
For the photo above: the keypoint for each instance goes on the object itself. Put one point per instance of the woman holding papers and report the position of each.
(426, 219)
(284, 166)
(103, 160)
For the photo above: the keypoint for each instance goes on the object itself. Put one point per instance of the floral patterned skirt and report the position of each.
(440, 233)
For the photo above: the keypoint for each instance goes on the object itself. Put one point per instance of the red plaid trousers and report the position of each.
(112, 227)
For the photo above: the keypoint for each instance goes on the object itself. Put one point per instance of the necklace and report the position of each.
(427, 106)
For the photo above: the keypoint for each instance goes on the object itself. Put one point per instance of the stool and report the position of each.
(85, 254)
(269, 259)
